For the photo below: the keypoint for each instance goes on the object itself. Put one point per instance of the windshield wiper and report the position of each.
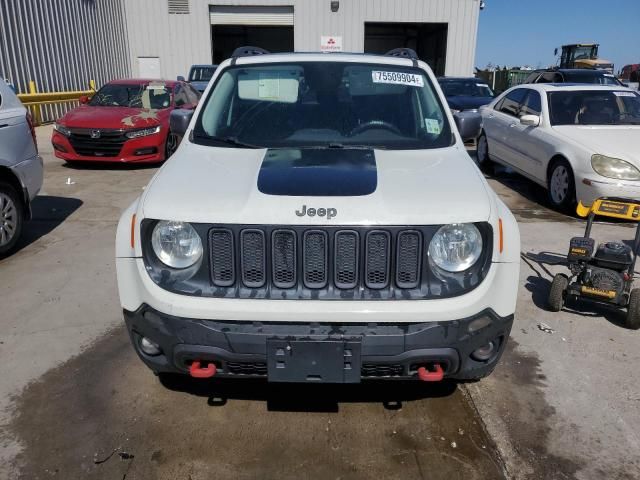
(229, 141)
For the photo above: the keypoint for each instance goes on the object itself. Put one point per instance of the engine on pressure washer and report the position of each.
(606, 269)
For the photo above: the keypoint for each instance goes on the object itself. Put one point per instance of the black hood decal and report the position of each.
(318, 172)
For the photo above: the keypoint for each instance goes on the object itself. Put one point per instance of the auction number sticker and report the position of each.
(624, 94)
(398, 78)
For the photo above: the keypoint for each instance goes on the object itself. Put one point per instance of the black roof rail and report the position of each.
(248, 52)
(402, 52)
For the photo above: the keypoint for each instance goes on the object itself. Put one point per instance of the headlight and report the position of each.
(61, 129)
(614, 168)
(176, 244)
(456, 247)
(143, 132)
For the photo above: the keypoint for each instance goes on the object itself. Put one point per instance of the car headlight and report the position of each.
(61, 129)
(176, 244)
(614, 168)
(456, 247)
(143, 132)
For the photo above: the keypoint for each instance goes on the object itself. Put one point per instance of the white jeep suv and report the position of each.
(320, 222)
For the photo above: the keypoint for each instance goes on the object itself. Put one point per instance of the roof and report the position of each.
(446, 79)
(550, 87)
(322, 57)
(204, 65)
(573, 70)
(143, 81)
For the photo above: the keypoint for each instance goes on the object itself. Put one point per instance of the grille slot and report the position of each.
(221, 247)
(346, 259)
(246, 368)
(252, 257)
(379, 370)
(315, 259)
(284, 258)
(377, 259)
(408, 259)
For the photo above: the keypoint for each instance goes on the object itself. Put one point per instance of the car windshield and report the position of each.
(150, 96)
(599, 78)
(202, 73)
(323, 105)
(466, 88)
(594, 107)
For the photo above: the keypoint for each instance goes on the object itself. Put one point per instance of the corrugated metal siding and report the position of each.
(61, 45)
(182, 40)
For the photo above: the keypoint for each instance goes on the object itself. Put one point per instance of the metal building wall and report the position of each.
(182, 40)
(62, 44)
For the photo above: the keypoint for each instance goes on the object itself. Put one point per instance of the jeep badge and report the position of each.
(320, 212)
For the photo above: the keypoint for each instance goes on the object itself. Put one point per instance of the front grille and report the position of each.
(377, 370)
(316, 263)
(108, 144)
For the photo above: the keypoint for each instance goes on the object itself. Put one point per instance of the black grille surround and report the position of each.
(108, 144)
(282, 262)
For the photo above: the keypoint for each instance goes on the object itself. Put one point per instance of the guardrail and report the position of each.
(34, 100)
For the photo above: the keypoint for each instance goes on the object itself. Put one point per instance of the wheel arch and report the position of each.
(9, 176)
(552, 161)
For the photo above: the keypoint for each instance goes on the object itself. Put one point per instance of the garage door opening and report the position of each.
(429, 40)
(268, 27)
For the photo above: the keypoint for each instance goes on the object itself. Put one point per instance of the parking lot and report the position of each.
(77, 403)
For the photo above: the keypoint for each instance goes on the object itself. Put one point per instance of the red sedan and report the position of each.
(125, 121)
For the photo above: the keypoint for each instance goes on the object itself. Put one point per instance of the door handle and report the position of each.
(4, 125)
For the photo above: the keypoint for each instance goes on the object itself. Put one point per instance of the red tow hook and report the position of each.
(427, 376)
(196, 372)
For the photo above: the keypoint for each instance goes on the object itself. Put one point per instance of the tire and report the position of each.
(171, 145)
(633, 310)
(558, 292)
(482, 153)
(11, 218)
(561, 187)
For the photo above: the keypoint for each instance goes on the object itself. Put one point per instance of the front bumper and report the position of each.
(386, 350)
(588, 189)
(132, 151)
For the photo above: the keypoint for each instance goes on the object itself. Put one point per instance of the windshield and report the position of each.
(323, 104)
(585, 52)
(594, 107)
(151, 96)
(588, 77)
(466, 88)
(202, 73)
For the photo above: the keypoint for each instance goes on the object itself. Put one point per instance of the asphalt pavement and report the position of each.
(75, 402)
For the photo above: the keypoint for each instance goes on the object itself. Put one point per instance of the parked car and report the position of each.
(125, 121)
(465, 93)
(321, 222)
(630, 73)
(573, 75)
(199, 76)
(580, 142)
(20, 167)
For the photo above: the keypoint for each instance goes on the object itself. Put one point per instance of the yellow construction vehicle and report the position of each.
(583, 55)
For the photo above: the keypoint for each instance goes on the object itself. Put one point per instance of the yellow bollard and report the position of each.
(37, 114)
(92, 85)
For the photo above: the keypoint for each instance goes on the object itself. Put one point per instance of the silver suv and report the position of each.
(20, 167)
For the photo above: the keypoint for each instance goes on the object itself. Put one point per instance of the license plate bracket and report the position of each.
(313, 361)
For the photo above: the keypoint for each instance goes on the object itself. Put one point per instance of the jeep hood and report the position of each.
(365, 187)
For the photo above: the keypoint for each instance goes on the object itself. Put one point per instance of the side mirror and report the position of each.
(469, 124)
(179, 121)
(530, 120)
(180, 78)
(84, 99)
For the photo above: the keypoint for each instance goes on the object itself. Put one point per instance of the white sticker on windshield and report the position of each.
(624, 94)
(398, 78)
(433, 126)
(482, 85)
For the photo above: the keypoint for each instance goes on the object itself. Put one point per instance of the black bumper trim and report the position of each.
(389, 350)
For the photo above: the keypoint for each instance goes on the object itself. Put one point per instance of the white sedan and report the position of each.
(580, 142)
